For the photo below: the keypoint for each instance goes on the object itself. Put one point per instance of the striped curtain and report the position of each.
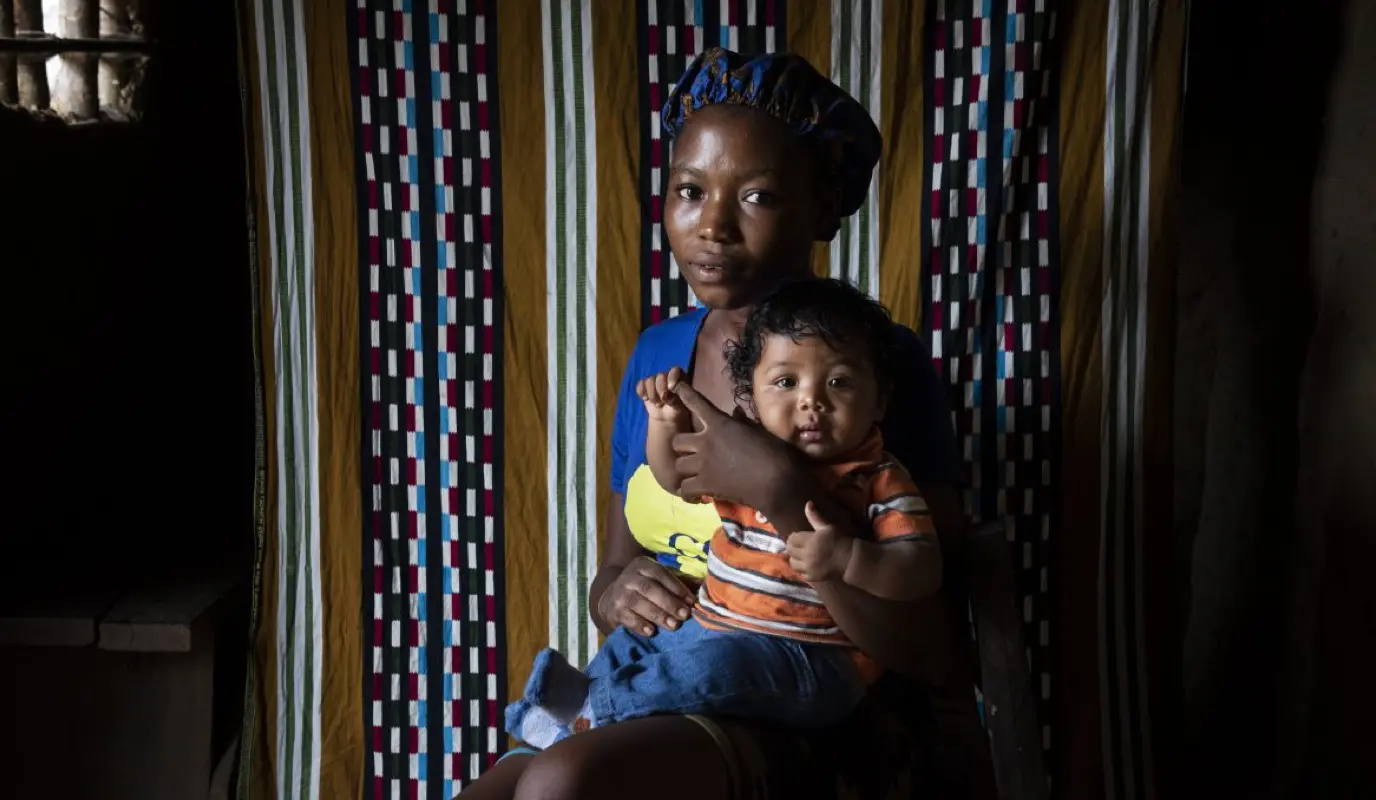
(856, 66)
(303, 736)
(458, 239)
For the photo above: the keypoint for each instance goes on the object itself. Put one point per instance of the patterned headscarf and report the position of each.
(789, 89)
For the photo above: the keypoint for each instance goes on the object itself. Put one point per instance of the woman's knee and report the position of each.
(559, 774)
(604, 762)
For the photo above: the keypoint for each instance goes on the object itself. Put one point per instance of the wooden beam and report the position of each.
(54, 45)
(164, 618)
(9, 86)
(115, 19)
(32, 76)
(78, 95)
(114, 74)
(54, 621)
(79, 19)
(28, 17)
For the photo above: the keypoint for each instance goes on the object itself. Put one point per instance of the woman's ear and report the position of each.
(881, 406)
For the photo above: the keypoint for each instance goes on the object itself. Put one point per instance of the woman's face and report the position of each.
(743, 206)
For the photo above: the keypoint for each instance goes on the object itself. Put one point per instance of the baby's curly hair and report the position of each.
(839, 314)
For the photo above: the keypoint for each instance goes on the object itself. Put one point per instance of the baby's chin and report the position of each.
(829, 448)
(826, 450)
(819, 451)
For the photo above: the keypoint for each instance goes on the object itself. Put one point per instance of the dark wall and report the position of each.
(1276, 400)
(128, 416)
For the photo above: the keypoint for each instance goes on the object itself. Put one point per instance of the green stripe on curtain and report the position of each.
(285, 195)
(571, 206)
(856, 56)
(1136, 168)
(1127, 144)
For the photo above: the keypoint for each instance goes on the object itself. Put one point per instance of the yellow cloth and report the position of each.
(676, 531)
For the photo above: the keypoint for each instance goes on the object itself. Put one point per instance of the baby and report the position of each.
(812, 367)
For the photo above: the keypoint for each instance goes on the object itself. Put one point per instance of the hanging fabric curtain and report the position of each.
(457, 242)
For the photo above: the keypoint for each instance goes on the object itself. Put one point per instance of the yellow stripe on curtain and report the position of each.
(616, 97)
(524, 328)
(1082, 108)
(330, 94)
(901, 227)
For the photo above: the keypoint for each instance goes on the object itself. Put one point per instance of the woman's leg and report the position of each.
(498, 783)
(672, 758)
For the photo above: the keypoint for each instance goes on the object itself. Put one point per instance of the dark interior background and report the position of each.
(128, 400)
(1275, 412)
(127, 415)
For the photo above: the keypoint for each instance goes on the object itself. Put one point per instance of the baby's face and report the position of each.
(821, 401)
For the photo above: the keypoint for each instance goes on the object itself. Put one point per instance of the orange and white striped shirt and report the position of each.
(751, 587)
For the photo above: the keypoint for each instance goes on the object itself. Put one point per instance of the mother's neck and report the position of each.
(727, 323)
(730, 322)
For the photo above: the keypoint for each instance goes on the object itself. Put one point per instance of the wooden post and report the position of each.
(80, 19)
(32, 78)
(9, 88)
(1010, 699)
(114, 72)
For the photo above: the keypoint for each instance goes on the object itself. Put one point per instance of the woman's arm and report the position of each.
(631, 589)
(904, 571)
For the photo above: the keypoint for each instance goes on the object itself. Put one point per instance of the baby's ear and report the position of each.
(881, 405)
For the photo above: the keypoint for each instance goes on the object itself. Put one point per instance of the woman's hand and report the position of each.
(728, 458)
(645, 596)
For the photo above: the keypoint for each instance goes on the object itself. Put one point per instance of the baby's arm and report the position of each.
(903, 562)
(659, 452)
(668, 418)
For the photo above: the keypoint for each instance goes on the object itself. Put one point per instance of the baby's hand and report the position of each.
(661, 401)
(821, 554)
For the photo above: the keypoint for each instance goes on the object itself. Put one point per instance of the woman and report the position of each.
(768, 157)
